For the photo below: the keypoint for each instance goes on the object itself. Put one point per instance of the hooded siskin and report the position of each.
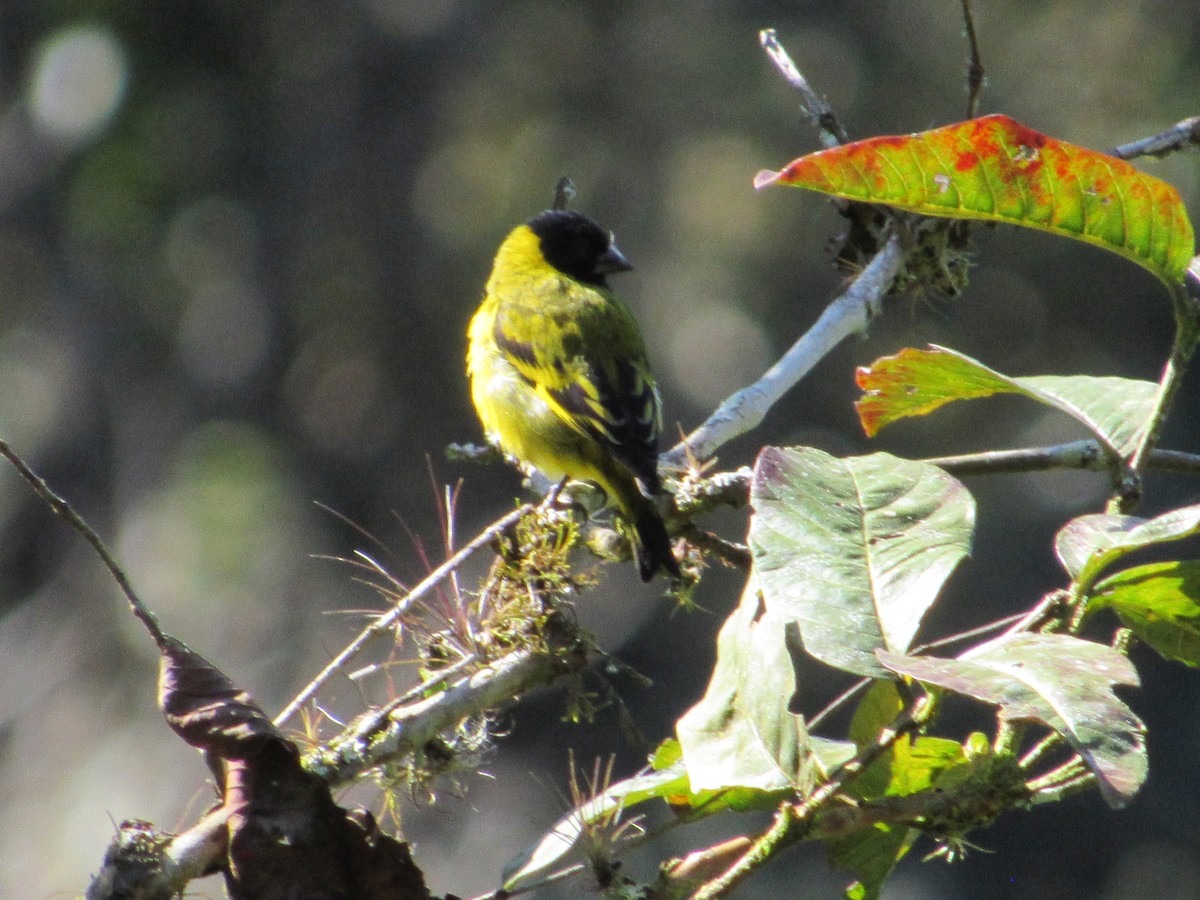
(559, 375)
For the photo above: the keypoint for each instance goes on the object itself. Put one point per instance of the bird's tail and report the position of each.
(651, 543)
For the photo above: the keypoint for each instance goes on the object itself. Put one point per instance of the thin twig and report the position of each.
(836, 703)
(1085, 454)
(1084, 781)
(1041, 750)
(732, 488)
(1181, 354)
(760, 851)
(975, 73)
(1068, 773)
(1044, 612)
(67, 513)
(1174, 461)
(818, 109)
(402, 606)
(564, 193)
(732, 554)
(967, 635)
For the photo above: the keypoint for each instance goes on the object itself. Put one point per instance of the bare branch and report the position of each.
(564, 193)
(1180, 136)
(67, 513)
(849, 314)
(375, 739)
(975, 73)
(817, 107)
(794, 822)
(1085, 454)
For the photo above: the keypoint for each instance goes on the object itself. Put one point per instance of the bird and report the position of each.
(559, 374)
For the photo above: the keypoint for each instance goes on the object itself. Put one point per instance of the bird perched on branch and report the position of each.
(559, 375)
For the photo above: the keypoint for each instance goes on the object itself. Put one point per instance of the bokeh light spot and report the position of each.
(40, 378)
(710, 196)
(716, 350)
(225, 332)
(225, 335)
(217, 540)
(334, 393)
(78, 81)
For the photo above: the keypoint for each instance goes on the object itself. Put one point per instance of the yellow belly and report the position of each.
(517, 420)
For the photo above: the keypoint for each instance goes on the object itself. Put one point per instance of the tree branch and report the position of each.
(1180, 136)
(67, 513)
(794, 822)
(849, 314)
(815, 106)
(975, 72)
(388, 735)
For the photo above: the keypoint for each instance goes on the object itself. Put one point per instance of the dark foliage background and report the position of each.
(239, 244)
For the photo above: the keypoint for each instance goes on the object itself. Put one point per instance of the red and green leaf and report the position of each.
(916, 382)
(996, 169)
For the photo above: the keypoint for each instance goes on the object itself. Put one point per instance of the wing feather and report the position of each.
(607, 396)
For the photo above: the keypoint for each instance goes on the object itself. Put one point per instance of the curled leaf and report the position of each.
(1089, 544)
(205, 708)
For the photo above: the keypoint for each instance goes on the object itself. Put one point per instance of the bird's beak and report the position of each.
(612, 260)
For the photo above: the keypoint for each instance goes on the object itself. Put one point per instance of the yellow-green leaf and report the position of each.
(1160, 603)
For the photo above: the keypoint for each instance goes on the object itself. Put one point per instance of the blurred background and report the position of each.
(239, 245)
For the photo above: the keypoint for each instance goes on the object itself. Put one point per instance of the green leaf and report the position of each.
(916, 382)
(828, 754)
(996, 169)
(909, 765)
(854, 550)
(1160, 603)
(741, 733)
(1063, 682)
(666, 754)
(878, 709)
(871, 855)
(916, 764)
(880, 706)
(1088, 545)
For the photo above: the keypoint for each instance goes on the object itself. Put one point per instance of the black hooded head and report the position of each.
(577, 246)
